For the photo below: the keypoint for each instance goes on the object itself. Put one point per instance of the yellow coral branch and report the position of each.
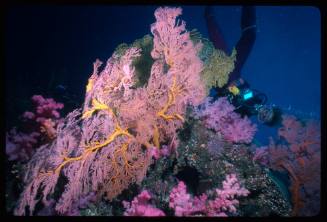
(172, 93)
(96, 106)
(95, 147)
(118, 131)
(89, 85)
(156, 137)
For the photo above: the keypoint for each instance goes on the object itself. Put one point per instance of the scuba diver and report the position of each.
(247, 101)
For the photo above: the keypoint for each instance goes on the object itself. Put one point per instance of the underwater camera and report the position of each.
(252, 102)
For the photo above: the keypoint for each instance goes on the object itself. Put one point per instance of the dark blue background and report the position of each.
(58, 44)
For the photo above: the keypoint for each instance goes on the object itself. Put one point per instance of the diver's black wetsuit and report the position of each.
(269, 115)
(243, 49)
(245, 43)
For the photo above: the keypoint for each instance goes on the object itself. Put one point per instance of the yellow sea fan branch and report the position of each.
(89, 85)
(96, 106)
(172, 93)
(156, 137)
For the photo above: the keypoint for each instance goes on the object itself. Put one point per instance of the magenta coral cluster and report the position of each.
(225, 201)
(46, 115)
(39, 127)
(45, 108)
(140, 206)
(183, 203)
(220, 116)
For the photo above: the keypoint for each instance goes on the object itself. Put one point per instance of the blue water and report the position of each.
(63, 41)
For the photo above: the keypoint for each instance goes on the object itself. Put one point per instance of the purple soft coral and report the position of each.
(40, 126)
(220, 116)
(140, 206)
(45, 108)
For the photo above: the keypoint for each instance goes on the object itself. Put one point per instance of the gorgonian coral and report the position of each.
(105, 146)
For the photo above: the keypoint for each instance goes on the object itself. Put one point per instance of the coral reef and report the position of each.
(265, 198)
(147, 142)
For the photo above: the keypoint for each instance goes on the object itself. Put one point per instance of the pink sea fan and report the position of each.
(165, 32)
(105, 146)
(220, 116)
(140, 206)
(174, 89)
(301, 137)
(172, 43)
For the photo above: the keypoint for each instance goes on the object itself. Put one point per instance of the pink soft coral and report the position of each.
(140, 206)
(225, 201)
(46, 115)
(181, 201)
(220, 116)
(45, 108)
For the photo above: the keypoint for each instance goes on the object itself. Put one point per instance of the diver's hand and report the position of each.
(209, 11)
